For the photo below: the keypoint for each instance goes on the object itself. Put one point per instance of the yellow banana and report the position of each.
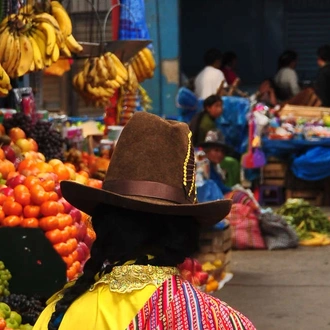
(133, 83)
(5, 21)
(101, 69)
(39, 38)
(9, 47)
(144, 65)
(3, 42)
(27, 9)
(73, 44)
(26, 55)
(86, 67)
(49, 32)
(66, 51)
(4, 79)
(150, 57)
(114, 84)
(45, 17)
(56, 53)
(62, 17)
(121, 70)
(120, 80)
(37, 57)
(15, 58)
(4, 91)
(137, 69)
(110, 66)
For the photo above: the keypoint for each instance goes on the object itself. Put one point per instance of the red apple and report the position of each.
(201, 277)
(16, 133)
(75, 214)
(9, 153)
(67, 206)
(88, 241)
(16, 180)
(57, 189)
(24, 144)
(81, 231)
(187, 265)
(7, 191)
(85, 248)
(81, 254)
(197, 267)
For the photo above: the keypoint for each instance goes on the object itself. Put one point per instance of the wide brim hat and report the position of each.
(215, 138)
(152, 170)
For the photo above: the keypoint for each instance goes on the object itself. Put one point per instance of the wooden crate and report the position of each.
(300, 111)
(315, 197)
(274, 173)
(215, 240)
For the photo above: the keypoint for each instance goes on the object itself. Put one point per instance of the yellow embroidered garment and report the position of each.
(112, 302)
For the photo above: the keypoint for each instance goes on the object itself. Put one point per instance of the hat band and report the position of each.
(147, 189)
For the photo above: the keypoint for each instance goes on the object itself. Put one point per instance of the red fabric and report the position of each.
(245, 231)
(230, 75)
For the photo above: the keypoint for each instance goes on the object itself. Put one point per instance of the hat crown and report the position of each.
(153, 158)
(214, 136)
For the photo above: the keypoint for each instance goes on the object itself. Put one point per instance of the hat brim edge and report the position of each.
(86, 198)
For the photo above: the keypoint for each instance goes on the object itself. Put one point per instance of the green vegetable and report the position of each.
(304, 217)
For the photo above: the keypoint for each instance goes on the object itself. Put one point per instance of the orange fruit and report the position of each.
(12, 208)
(31, 180)
(49, 208)
(38, 194)
(22, 195)
(12, 221)
(62, 172)
(31, 211)
(2, 154)
(30, 223)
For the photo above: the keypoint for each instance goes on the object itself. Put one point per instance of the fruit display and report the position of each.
(33, 39)
(5, 277)
(191, 270)
(99, 78)
(31, 197)
(24, 310)
(143, 64)
(38, 136)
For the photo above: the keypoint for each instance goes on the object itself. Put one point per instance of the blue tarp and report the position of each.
(132, 24)
(208, 192)
(233, 122)
(313, 165)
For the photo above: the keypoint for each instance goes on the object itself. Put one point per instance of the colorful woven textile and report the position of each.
(178, 305)
(245, 230)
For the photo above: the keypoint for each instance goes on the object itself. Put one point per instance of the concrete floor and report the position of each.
(281, 290)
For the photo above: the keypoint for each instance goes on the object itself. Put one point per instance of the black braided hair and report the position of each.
(123, 235)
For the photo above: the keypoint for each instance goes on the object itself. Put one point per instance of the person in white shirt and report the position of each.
(286, 78)
(209, 79)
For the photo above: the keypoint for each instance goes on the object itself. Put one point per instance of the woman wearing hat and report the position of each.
(147, 221)
(222, 167)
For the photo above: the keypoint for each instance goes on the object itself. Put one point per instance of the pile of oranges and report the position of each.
(31, 197)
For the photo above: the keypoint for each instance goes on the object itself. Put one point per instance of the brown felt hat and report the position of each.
(215, 138)
(152, 170)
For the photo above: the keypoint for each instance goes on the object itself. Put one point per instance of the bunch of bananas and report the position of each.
(5, 85)
(145, 99)
(143, 64)
(99, 78)
(32, 40)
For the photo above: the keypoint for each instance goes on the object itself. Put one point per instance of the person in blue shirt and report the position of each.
(216, 151)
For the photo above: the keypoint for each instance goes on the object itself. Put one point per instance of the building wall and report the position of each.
(163, 24)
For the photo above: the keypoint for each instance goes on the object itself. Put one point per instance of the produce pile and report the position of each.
(34, 38)
(204, 276)
(30, 196)
(310, 222)
(16, 311)
(49, 141)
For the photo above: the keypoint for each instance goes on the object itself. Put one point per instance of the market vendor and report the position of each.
(208, 81)
(205, 120)
(146, 222)
(223, 169)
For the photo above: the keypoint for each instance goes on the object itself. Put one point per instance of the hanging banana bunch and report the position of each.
(100, 78)
(32, 40)
(145, 100)
(143, 64)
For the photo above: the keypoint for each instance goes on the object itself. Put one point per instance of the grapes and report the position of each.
(5, 276)
(28, 307)
(20, 120)
(50, 142)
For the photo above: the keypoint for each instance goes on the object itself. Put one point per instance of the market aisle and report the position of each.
(284, 290)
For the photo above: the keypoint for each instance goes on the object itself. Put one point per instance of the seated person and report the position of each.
(216, 151)
(286, 78)
(205, 121)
